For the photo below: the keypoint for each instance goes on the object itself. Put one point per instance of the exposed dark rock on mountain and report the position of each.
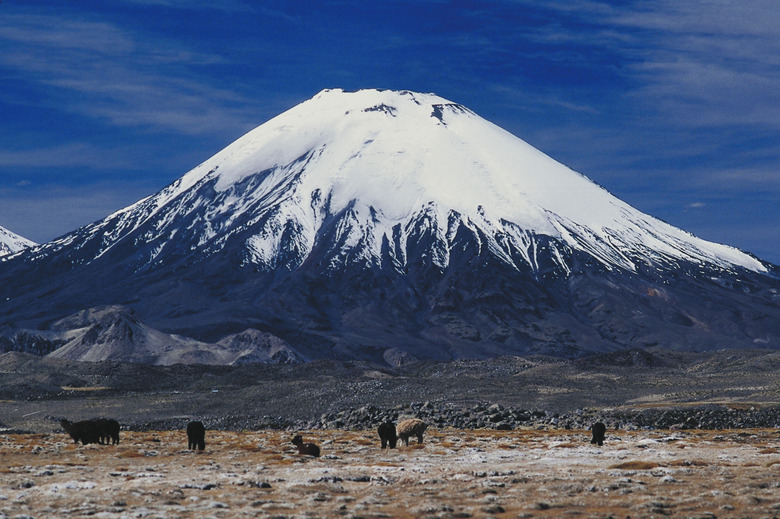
(392, 227)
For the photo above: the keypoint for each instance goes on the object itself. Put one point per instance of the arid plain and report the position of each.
(538, 469)
(454, 473)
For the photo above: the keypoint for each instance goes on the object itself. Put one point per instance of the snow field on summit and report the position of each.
(389, 156)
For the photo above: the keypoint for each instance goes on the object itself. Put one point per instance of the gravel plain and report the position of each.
(644, 389)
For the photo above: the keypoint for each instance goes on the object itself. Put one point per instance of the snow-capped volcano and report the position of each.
(390, 161)
(11, 242)
(376, 220)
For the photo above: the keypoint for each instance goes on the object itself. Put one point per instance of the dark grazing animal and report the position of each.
(598, 429)
(306, 448)
(411, 427)
(387, 435)
(109, 431)
(85, 431)
(196, 436)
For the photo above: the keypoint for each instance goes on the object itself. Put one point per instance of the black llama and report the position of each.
(196, 436)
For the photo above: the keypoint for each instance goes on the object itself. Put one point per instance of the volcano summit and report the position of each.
(398, 226)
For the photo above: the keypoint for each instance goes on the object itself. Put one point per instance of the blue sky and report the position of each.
(672, 106)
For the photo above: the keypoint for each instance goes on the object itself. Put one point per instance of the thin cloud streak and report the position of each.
(74, 154)
(119, 76)
(230, 6)
(701, 65)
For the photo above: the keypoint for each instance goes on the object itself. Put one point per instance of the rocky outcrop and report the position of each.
(116, 333)
(494, 416)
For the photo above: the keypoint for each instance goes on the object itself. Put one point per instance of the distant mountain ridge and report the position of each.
(11, 242)
(114, 333)
(383, 224)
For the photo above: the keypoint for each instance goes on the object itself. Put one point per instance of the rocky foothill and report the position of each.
(653, 389)
(495, 416)
(498, 417)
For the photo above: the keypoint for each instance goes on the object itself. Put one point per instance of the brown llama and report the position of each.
(411, 427)
(310, 449)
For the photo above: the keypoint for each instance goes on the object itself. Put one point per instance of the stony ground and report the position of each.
(454, 473)
(657, 388)
(690, 435)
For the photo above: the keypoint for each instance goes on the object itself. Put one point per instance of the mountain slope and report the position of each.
(359, 222)
(11, 242)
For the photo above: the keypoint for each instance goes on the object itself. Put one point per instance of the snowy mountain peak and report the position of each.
(385, 159)
(390, 225)
(11, 242)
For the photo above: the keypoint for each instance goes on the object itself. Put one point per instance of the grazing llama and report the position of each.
(411, 427)
(598, 429)
(387, 434)
(196, 436)
(86, 431)
(310, 449)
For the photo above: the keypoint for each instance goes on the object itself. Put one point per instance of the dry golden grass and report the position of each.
(687, 463)
(454, 473)
(131, 454)
(636, 465)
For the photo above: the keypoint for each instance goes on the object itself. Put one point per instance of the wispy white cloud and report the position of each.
(703, 63)
(73, 154)
(212, 5)
(125, 78)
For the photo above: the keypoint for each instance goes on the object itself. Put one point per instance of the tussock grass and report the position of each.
(131, 454)
(636, 465)
(386, 464)
(687, 463)
(453, 473)
(246, 447)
